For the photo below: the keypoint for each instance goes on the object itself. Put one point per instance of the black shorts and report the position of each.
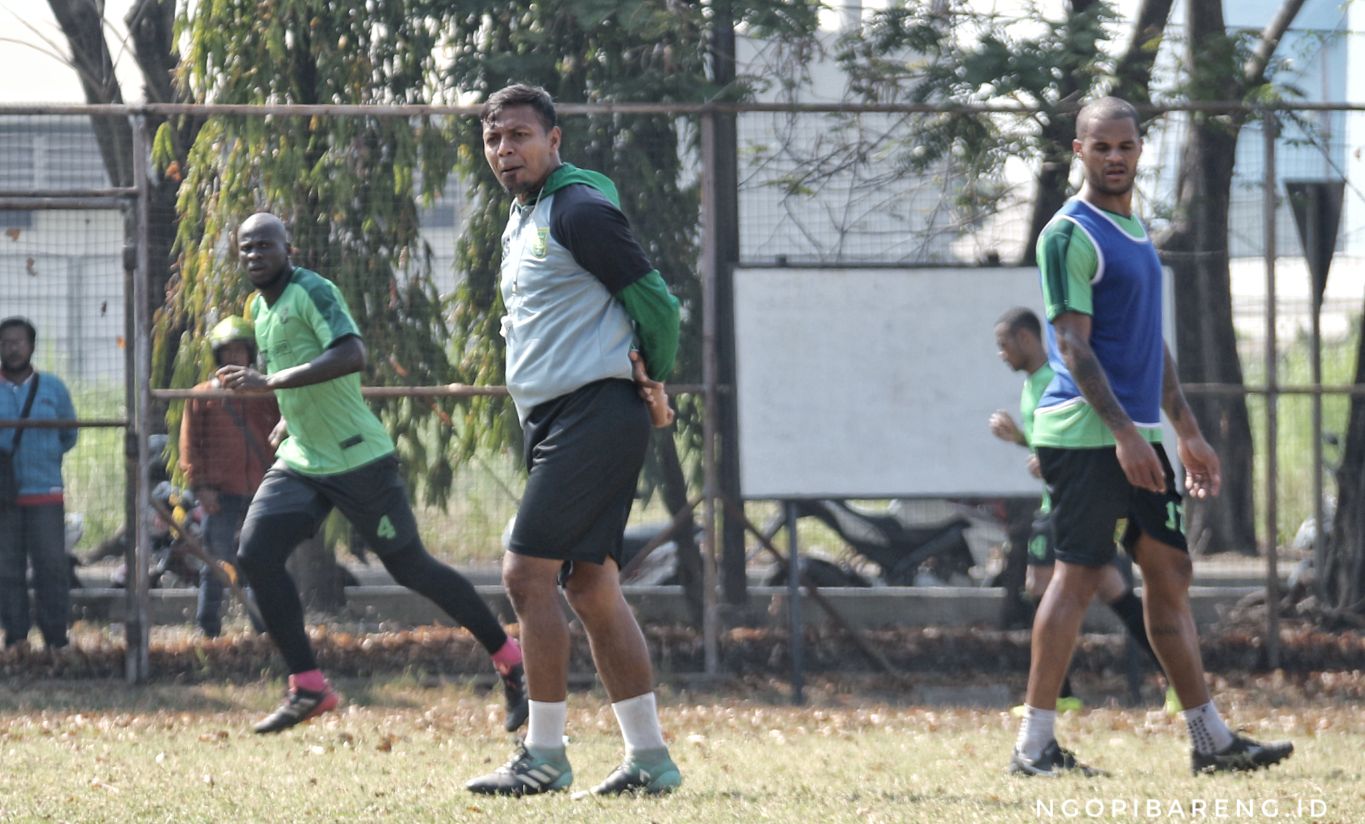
(1093, 505)
(583, 453)
(373, 498)
(1042, 540)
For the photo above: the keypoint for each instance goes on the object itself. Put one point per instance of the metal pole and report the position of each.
(138, 662)
(1272, 519)
(797, 636)
(710, 625)
(1319, 510)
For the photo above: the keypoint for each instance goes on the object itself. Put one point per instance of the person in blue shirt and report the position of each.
(32, 529)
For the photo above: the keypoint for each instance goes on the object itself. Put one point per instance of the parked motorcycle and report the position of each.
(172, 563)
(907, 553)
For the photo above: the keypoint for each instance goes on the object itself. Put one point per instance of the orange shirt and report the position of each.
(215, 450)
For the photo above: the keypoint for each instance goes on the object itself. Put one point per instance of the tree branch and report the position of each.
(82, 22)
(1133, 74)
(151, 27)
(1254, 70)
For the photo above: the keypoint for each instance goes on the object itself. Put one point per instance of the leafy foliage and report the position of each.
(935, 53)
(348, 187)
(586, 51)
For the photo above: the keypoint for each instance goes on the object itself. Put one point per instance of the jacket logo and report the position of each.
(540, 247)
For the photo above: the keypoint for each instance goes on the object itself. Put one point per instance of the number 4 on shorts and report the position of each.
(385, 529)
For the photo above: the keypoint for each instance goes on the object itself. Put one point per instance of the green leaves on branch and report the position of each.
(591, 51)
(348, 188)
(928, 53)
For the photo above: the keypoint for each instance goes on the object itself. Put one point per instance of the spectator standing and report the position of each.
(32, 525)
(225, 449)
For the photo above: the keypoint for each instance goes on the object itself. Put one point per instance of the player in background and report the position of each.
(1018, 337)
(336, 454)
(1097, 434)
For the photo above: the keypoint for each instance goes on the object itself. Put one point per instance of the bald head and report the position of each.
(263, 250)
(1104, 110)
(264, 223)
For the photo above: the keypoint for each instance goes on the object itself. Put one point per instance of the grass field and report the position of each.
(400, 750)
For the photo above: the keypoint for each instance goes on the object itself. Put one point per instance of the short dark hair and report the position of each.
(521, 94)
(1021, 318)
(10, 323)
(1106, 108)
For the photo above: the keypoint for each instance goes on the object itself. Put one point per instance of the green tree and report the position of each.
(933, 53)
(348, 187)
(1219, 65)
(947, 53)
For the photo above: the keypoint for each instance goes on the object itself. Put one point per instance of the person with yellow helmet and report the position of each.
(225, 449)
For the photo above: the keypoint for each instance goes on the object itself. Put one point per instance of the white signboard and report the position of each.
(877, 383)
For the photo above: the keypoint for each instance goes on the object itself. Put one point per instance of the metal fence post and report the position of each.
(137, 660)
(709, 238)
(1272, 526)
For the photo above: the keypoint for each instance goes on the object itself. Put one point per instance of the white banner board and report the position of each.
(877, 383)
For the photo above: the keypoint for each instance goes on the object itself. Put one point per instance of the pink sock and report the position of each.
(311, 680)
(508, 656)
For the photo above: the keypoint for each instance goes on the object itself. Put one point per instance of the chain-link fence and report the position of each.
(62, 269)
(395, 205)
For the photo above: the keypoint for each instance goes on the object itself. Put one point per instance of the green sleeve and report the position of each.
(332, 320)
(1068, 262)
(656, 315)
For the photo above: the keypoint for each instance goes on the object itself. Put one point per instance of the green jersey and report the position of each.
(1101, 264)
(331, 429)
(1033, 390)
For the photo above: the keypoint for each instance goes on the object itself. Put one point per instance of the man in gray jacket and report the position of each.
(591, 332)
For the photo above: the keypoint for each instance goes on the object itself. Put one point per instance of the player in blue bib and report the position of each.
(1098, 438)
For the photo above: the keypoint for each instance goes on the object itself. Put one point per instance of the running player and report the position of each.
(336, 454)
(1018, 337)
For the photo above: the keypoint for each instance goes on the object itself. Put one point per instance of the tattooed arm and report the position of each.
(1203, 476)
(1173, 400)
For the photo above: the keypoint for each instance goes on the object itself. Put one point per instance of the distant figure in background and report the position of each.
(225, 449)
(32, 524)
(1018, 336)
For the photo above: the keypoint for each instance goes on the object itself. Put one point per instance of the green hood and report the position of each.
(568, 174)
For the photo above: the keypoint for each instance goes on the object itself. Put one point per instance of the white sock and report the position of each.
(1208, 732)
(545, 730)
(639, 720)
(1035, 731)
